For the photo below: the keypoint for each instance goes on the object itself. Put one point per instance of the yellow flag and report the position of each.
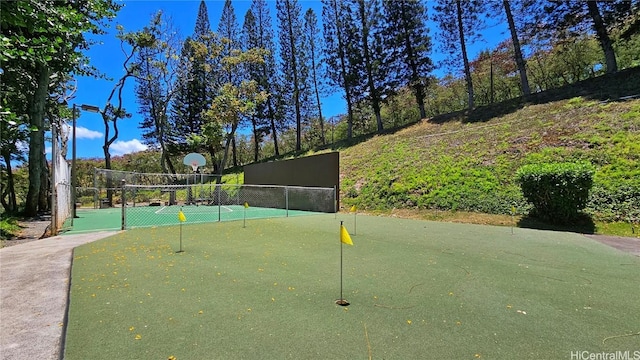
(345, 238)
(181, 216)
(353, 209)
(513, 210)
(246, 205)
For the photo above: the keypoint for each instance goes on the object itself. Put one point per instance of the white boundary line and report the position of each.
(227, 209)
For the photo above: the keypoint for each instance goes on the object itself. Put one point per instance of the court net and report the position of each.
(157, 205)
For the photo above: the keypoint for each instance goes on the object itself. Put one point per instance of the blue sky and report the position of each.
(108, 58)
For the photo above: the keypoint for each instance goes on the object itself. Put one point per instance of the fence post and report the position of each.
(124, 204)
(219, 189)
(286, 199)
(96, 194)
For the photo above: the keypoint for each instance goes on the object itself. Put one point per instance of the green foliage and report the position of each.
(558, 191)
(8, 228)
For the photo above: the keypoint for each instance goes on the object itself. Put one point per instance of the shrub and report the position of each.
(557, 191)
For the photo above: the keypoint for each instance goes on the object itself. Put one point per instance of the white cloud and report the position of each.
(82, 133)
(127, 147)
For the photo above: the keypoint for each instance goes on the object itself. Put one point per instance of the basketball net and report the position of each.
(194, 166)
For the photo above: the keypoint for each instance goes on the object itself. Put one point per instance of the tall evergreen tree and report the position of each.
(369, 57)
(336, 19)
(517, 50)
(156, 86)
(460, 23)
(269, 80)
(292, 53)
(407, 38)
(316, 65)
(251, 40)
(229, 32)
(195, 85)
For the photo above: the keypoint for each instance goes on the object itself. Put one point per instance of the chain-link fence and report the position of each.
(107, 183)
(156, 205)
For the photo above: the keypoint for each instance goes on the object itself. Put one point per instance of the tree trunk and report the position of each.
(225, 156)
(603, 37)
(45, 188)
(463, 49)
(373, 92)
(274, 130)
(256, 140)
(234, 151)
(107, 165)
(10, 205)
(520, 62)
(36, 140)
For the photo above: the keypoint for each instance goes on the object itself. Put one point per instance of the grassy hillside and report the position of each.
(467, 161)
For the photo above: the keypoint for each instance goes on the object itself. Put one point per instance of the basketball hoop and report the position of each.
(194, 160)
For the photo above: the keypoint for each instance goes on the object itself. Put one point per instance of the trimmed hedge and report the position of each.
(558, 191)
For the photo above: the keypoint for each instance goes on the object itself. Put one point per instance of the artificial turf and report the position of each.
(418, 290)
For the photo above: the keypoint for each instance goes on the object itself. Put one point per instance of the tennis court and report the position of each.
(90, 220)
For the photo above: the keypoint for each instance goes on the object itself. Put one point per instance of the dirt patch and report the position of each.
(32, 229)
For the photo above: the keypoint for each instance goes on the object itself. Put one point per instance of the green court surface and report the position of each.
(417, 290)
(90, 220)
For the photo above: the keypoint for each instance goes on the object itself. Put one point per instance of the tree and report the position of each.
(229, 32)
(459, 21)
(131, 43)
(368, 55)
(231, 104)
(269, 80)
(336, 16)
(568, 18)
(316, 68)
(292, 53)
(517, 50)
(251, 39)
(156, 86)
(41, 38)
(195, 84)
(408, 40)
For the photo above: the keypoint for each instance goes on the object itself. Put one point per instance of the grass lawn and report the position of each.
(417, 289)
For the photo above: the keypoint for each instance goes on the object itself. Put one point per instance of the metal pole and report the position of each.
(73, 166)
(124, 204)
(95, 188)
(286, 199)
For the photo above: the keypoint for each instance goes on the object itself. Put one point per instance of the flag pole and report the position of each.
(181, 219)
(180, 237)
(341, 301)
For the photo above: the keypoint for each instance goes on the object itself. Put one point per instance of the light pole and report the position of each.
(84, 107)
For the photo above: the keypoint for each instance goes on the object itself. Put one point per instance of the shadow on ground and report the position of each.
(582, 225)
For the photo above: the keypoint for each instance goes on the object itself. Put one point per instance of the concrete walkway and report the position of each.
(34, 287)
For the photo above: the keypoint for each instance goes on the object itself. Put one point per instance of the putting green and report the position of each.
(417, 289)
